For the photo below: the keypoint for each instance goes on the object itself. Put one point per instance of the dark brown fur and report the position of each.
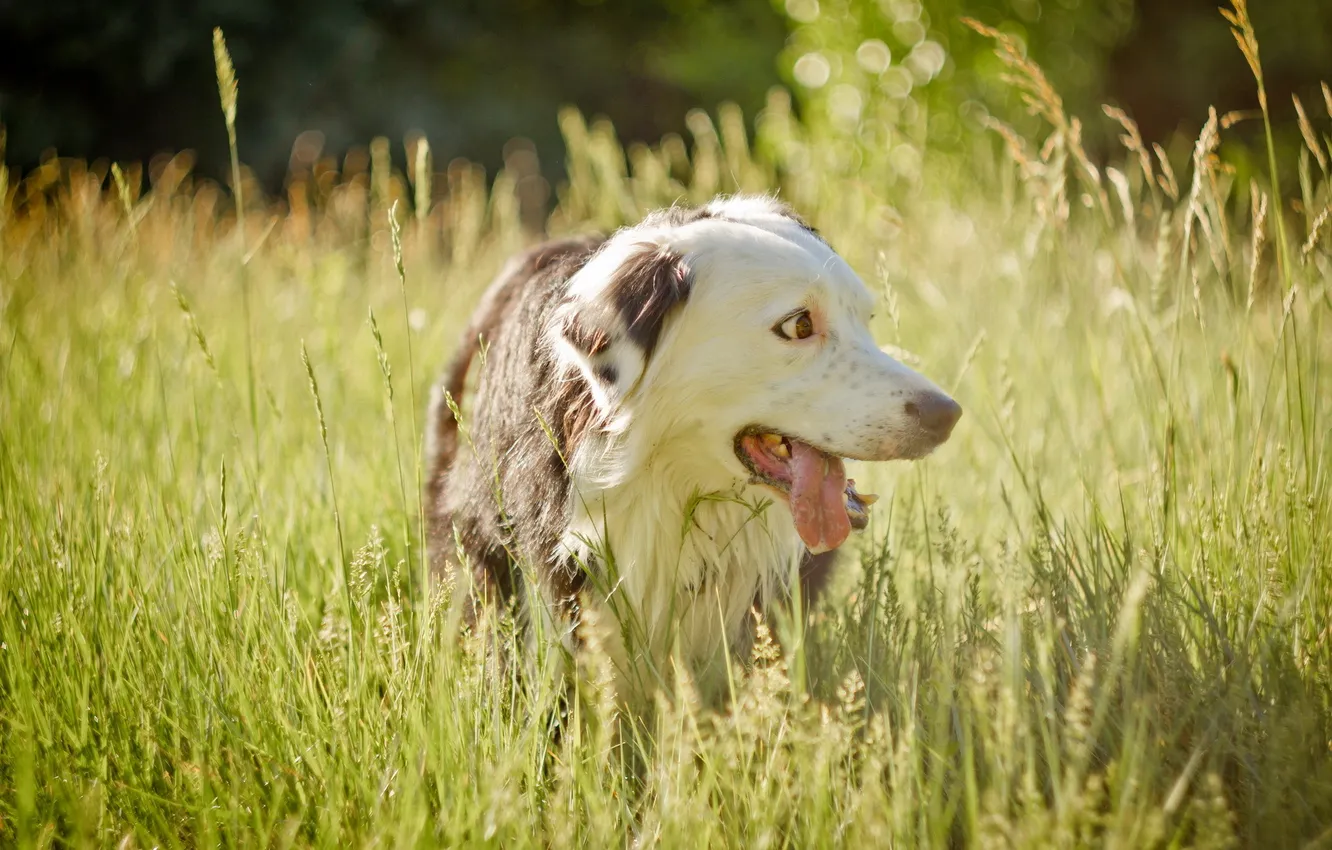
(510, 456)
(644, 290)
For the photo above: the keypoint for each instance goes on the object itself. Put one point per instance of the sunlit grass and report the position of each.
(1099, 615)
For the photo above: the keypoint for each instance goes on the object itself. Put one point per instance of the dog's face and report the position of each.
(741, 339)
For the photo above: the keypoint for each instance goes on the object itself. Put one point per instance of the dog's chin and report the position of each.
(825, 505)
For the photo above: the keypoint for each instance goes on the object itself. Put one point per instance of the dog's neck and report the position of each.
(679, 550)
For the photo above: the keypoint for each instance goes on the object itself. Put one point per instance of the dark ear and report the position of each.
(611, 335)
(644, 290)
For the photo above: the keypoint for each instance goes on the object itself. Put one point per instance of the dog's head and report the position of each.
(735, 338)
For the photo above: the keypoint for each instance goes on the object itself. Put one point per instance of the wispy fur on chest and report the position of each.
(680, 566)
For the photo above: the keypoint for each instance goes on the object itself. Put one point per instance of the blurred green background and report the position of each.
(126, 79)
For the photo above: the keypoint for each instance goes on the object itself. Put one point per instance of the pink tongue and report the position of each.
(818, 488)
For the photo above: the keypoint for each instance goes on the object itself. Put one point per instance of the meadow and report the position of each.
(1101, 615)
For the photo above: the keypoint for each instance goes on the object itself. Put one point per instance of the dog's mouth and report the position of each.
(824, 502)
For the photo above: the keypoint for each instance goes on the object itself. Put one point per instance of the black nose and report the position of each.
(936, 413)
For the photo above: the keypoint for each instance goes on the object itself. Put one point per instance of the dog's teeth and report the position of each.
(781, 450)
(772, 439)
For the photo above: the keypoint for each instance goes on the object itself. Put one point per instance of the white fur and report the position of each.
(661, 489)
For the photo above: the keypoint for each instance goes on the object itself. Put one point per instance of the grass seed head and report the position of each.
(1310, 137)
(226, 78)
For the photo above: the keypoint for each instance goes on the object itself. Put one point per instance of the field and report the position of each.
(1100, 615)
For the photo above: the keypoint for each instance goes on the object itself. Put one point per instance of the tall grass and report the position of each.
(1099, 616)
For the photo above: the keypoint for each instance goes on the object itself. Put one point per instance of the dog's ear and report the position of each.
(611, 334)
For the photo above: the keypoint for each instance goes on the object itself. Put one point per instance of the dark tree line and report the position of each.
(128, 78)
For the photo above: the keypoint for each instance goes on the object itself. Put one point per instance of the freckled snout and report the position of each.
(927, 414)
(934, 413)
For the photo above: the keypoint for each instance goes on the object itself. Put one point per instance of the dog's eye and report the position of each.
(798, 326)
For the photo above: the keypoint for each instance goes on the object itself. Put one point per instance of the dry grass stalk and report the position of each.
(1327, 99)
(1132, 139)
(332, 487)
(1017, 147)
(1310, 138)
(226, 79)
(227, 89)
(1316, 232)
(1258, 208)
(1120, 182)
(1242, 29)
(1207, 142)
(1235, 116)
(1091, 174)
(192, 324)
(1028, 78)
(1166, 179)
(1054, 203)
(1065, 140)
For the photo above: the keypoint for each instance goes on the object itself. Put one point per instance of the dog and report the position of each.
(659, 428)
